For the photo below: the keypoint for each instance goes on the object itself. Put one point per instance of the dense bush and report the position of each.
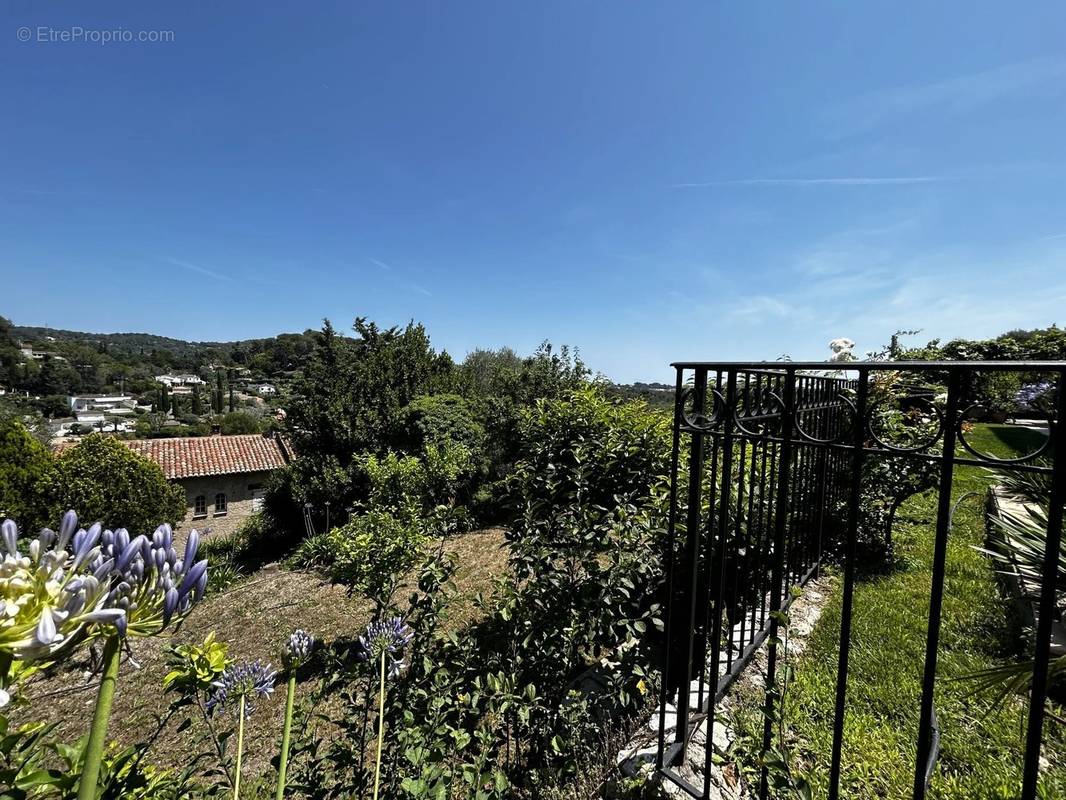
(436, 419)
(369, 555)
(25, 470)
(100, 475)
(412, 486)
(511, 706)
(584, 448)
(240, 422)
(110, 483)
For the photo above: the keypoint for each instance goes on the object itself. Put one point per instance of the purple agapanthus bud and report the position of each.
(192, 544)
(170, 605)
(192, 576)
(127, 554)
(66, 529)
(298, 649)
(104, 569)
(46, 628)
(10, 533)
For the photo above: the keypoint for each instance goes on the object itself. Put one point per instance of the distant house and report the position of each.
(180, 380)
(266, 389)
(224, 477)
(91, 420)
(108, 404)
(37, 355)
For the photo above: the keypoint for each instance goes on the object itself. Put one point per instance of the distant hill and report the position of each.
(119, 343)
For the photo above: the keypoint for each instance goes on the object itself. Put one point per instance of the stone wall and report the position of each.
(241, 492)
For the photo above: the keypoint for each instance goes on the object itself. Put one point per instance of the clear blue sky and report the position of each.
(648, 181)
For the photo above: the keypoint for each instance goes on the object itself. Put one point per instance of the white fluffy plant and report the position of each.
(842, 350)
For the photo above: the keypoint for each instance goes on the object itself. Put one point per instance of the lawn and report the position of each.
(981, 747)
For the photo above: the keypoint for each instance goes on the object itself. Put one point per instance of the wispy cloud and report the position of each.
(414, 287)
(846, 181)
(177, 262)
(953, 95)
(762, 306)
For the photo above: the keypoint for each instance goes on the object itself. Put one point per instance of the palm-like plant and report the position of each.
(1017, 543)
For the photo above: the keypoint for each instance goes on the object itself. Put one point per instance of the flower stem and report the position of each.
(381, 726)
(240, 750)
(94, 749)
(285, 733)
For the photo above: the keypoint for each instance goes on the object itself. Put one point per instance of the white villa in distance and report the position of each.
(179, 380)
(101, 404)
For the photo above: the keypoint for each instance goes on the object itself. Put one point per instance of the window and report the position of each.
(220, 504)
(199, 506)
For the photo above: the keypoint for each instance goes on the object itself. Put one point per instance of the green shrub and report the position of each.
(240, 422)
(25, 470)
(107, 482)
(587, 449)
(438, 419)
(411, 486)
(369, 555)
(997, 391)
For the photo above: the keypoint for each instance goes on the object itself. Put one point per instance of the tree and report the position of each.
(351, 393)
(438, 419)
(239, 422)
(218, 392)
(197, 404)
(9, 354)
(348, 403)
(105, 481)
(25, 471)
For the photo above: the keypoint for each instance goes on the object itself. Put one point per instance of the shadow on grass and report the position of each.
(1005, 441)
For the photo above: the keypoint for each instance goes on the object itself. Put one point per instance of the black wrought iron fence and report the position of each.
(768, 470)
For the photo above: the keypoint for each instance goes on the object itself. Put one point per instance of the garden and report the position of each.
(458, 589)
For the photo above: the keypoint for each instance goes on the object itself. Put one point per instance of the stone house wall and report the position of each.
(243, 492)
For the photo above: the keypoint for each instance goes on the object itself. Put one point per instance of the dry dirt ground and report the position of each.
(254, 618)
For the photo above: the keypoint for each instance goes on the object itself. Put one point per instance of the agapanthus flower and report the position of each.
(386, 637)
(51, 598)
(298, 649)
(248, 679)
(86, 582)
(1029, 394)
(148, 581)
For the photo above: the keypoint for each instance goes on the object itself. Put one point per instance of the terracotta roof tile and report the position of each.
(211, 455)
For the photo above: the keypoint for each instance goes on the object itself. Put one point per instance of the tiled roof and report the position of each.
(212, 455)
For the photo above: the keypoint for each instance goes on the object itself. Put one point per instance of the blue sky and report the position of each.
(648, 181)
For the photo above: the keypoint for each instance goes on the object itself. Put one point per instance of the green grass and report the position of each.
(981, 748)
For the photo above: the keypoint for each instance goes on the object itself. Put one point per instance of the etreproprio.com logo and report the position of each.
(77, 34)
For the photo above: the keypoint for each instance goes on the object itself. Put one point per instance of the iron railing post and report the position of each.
(693, 534)
(780, 520)
(718, 561)
(936, 599)
(851, 532)
(1049, 579)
